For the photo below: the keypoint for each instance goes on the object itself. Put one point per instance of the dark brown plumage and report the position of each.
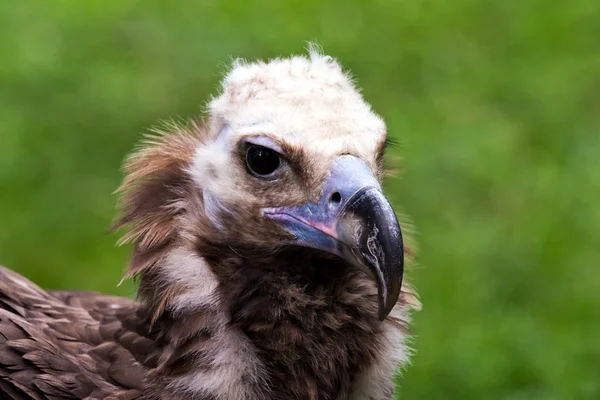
(232, 304)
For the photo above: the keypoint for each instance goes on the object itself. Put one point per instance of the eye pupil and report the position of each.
(262, 161)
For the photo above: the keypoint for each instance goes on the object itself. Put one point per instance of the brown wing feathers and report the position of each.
(52, 347)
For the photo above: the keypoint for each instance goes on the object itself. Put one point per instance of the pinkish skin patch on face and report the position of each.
(279, 214)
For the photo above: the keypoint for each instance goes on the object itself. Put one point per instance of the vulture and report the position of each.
(268, 261)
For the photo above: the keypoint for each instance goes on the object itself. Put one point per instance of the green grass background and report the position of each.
(495, 105)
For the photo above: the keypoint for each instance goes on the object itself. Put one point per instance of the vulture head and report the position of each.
(270, 263)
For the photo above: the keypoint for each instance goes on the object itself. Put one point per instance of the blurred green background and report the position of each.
(495, 105)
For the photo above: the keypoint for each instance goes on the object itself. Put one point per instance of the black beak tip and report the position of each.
(383, 314)
(388, 299)
(380, 245)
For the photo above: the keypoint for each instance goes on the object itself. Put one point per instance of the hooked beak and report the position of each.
(353, 220)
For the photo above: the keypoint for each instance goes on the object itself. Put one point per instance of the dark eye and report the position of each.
(262, 161)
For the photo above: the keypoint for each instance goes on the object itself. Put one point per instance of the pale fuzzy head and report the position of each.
(307, 107)
(305, 101)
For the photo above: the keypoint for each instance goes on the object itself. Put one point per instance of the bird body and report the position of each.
(269, 263)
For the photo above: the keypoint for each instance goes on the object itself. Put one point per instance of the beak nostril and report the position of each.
(336, 198)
